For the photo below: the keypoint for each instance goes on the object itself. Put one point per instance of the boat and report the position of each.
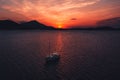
(52, 58)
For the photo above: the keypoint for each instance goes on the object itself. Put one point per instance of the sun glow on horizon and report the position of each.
(59, 27)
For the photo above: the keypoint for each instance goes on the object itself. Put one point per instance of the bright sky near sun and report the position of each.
(60, 13)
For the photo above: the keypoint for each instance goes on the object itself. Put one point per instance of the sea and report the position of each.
(84, 54)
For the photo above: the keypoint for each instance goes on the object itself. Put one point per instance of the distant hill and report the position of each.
(34, 25)
(112, 22)
(9, 24)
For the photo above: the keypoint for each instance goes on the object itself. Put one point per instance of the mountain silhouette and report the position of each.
(34, 25)
(9, 24)
(112, 22)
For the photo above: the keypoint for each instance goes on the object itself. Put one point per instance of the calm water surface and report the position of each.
(85, 55)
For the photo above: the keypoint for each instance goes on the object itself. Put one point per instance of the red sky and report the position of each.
(62, 13)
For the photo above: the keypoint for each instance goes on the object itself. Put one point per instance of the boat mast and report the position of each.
(49, 47)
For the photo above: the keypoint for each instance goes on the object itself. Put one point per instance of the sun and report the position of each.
(59, 27)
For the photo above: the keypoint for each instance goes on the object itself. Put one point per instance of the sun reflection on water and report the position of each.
(59, 42)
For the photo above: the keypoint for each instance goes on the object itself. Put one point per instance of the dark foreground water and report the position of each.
(85, 55)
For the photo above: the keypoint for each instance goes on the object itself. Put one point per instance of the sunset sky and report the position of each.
(60, 13)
